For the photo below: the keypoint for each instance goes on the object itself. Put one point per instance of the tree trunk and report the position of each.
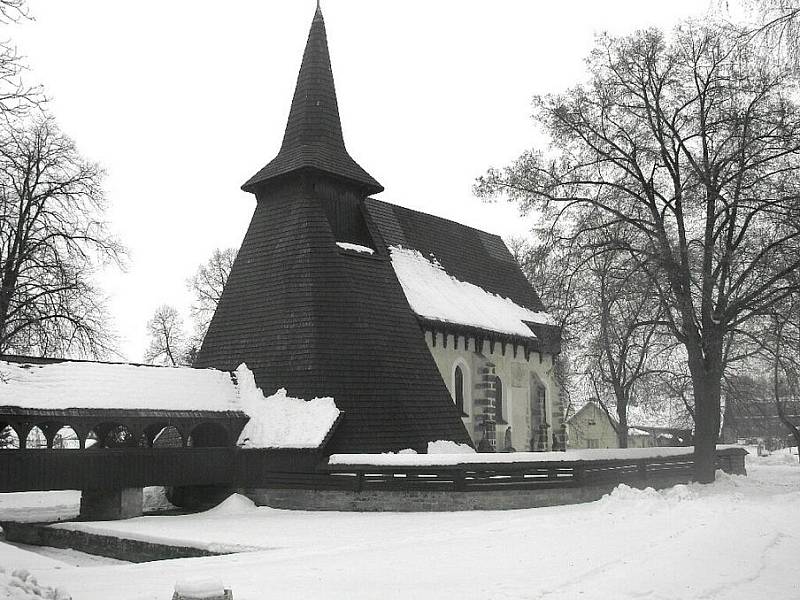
(622, 415)
(707, 388)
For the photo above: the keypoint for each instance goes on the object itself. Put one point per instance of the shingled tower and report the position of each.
(317, 317)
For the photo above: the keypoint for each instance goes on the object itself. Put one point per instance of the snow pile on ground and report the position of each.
(448, 447)
(200, 587)
(235, 504)
(21, 585)
(434, 294)
(279, 421)
(625, 500)
(107, 385)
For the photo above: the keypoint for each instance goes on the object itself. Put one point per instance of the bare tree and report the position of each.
(628, 348)
(52, 240)
(692, 143)
(207, 285)
(608, 315)
(168, 341)
(15, 95)
(783, 344)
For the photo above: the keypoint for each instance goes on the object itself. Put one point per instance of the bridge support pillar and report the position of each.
(111, 505)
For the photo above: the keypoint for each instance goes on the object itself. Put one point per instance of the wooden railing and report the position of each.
(528, 475)
(26, 470)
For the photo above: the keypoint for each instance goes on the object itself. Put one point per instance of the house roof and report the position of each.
(466, 253)
(313, 137)
(455, 274)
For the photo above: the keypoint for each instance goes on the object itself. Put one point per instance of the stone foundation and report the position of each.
(434, 501)
(34, 534)
(111, 505)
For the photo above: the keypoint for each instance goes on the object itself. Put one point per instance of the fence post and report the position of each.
(578, 474)
(643, 470)
(460, 480)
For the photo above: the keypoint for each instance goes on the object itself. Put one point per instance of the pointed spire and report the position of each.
(313, 137)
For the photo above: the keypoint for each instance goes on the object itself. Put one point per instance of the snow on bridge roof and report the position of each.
(78, 384)
(276, 421)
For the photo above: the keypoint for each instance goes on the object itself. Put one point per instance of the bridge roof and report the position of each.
(95, 385)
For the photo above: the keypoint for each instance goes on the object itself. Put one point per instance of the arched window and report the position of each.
(36, 439)
(498, 401)
(66, 438)
(459, 389)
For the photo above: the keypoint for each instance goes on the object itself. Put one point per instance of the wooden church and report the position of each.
(420, 328)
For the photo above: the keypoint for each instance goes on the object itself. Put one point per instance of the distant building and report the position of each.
(591, 427)
(756, 418)
(420, 328)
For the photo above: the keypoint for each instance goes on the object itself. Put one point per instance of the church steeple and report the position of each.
(313, 138)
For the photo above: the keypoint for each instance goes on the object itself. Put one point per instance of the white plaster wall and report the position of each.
(591, 423)
(515, 373)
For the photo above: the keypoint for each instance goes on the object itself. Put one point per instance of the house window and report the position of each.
(498, 403)
(459, 390)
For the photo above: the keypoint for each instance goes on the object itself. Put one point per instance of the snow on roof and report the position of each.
(434, 294)
(279, 421)
(355, 247)
(94, 385)
(634, 431)
(276, 421)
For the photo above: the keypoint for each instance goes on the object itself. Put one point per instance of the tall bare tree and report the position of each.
(168, 340)
(52, 240)
(692, 142)
(206, 285)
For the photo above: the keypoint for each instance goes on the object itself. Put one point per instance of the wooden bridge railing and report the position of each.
(27, 470)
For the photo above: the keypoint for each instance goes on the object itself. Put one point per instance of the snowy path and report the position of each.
(739, 538)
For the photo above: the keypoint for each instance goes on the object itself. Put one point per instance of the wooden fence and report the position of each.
(26, 470)
(528, 475)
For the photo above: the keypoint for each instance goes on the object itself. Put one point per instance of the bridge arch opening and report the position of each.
(111, 435)
(66, 439)
(208, 435)
(167, 437)
(9, 438)
(91, 440)
(36, 439)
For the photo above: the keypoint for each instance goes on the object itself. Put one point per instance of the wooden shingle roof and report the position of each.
(319, 320)
(468, 254)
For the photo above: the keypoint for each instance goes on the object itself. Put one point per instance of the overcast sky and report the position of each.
(181, 101)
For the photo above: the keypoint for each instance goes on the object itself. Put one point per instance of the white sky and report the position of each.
(181, 101)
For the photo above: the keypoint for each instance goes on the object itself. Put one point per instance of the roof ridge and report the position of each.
(445, 219)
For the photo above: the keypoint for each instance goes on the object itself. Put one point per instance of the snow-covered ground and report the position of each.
(738, 538)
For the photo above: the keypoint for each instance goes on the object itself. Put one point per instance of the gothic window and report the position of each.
(541, 400)
(459, 390)
(498, 403)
